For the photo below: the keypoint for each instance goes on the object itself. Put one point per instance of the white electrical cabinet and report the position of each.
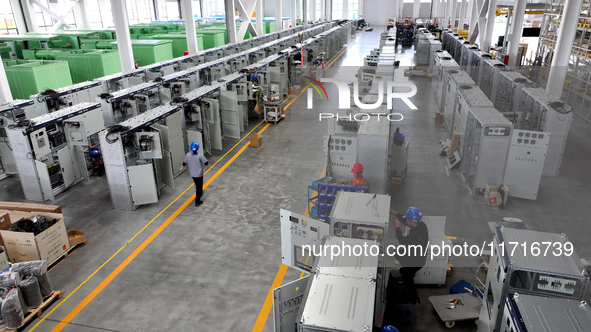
(342, 151)
(476, 65)
(525, 163)
(540, 111)
(485, 148)
(373, 144)
(511, 83)
(466, 58)
(434, 47)
(459, 48)
(470, 97)
(529, 313)
(489, 77)
(456, 79)
(443, 64)
(515, 268)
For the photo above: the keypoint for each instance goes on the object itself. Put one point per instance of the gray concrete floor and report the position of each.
(211, 268)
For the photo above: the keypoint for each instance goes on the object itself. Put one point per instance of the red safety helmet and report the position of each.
(357, 167)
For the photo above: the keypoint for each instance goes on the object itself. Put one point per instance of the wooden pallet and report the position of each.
(37, 312)
(64, 256)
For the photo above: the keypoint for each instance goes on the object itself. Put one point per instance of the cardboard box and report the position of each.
(5, 220)
(256, 140)
(493, 195)
(438, 117)
(455, 141)
(397, 179)
(49, 245)
(76, 237)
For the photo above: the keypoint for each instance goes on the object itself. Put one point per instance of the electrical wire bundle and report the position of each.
(110, 138)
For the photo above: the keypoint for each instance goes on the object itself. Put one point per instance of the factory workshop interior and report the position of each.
(300, 165)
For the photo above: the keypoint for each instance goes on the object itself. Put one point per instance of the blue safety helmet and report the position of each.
(413, 213)
(194, 146)
(389, 328)
(254, 77)
(95, 153)
(311, 50)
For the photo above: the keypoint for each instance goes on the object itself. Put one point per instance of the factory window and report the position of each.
(353, 6)
(168, 10)
(103, 17)
(337, 9)
(140, 11)
(213, 8)
(7, 21)
(45, 21)
(318, 10)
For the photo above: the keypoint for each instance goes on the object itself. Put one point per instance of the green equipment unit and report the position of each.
(18, 43)
(73, 37)
(5, 51)
(146, 51)
(179, 42)
(212, 37)
(268, 27)
(85, 65)
(29, 77)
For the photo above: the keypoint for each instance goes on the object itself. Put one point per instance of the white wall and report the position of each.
(377, 12)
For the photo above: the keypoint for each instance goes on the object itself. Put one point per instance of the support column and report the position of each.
(416, 7)
(305, 12)
(313, 17)
(157, 14)
(5, 94)
(490, 25)
(563, 49)
(448, 12)
(328, 10)
(294, 12)
(462, 19)
(279, 15)
(187, 8)
(454, 10)
(119, 10)
(259, 19)
(474, 15)
(323, 9)
(397, 4)
(27, 13)
(516, 31)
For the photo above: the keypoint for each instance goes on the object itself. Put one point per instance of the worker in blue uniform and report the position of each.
(196, 163)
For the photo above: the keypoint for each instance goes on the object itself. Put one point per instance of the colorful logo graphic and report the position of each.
(315, 84)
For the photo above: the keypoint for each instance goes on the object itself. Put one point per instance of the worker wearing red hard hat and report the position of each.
(358, 179)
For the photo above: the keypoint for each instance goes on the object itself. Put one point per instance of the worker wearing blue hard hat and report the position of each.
(196, 163)
(389, 328)
(414, 260)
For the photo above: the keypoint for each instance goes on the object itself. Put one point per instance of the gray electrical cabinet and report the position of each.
(70, 95)
(529, 313)
(518, 267)
(540, 111)
(443, 64)
(470, 97)
(373, 145)
(490, 77)
(485, 148)
(511, 83)
(466, 58)
(11, 112)
(456, 79)
(525, 163)
(476, 64)
(434, 47)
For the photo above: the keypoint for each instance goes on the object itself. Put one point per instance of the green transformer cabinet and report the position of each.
(179, 42)
(268, 27)
(85, 65)
(73, 37)
(146, 51)
(212, 37)
(29, 77)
